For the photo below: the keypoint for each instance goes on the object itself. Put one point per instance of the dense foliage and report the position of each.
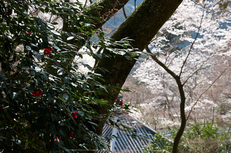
(46, 103)
(197, 138)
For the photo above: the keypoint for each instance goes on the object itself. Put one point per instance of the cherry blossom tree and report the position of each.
(185, 48)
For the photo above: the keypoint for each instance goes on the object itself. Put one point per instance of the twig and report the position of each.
(124, 12)
(135, 4)
(196, 70)
(169, 51)
(85, 4)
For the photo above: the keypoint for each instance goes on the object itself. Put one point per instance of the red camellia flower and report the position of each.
(29, 32)
(48, 50)
(25, 150)
(121, 103)
(114, 99)
(72, 135)
(74, 114)
(37, 92)
(93, 119)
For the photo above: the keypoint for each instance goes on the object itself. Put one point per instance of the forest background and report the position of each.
(42, 88)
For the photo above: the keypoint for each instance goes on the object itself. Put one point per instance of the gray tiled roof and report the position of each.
(126, 143)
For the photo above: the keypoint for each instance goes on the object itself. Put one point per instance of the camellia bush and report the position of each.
(46, 104)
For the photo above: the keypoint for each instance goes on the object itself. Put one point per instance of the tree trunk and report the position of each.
(182, 115)
(141, 26)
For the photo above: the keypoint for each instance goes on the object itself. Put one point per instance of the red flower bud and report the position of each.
(1, 108)
(48, 50)
(74, 114)
(121, 103)
(29, 32)
(37, 92)
(57, 139)
(72, 135)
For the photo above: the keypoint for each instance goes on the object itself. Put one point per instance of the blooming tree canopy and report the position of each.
(190, 44)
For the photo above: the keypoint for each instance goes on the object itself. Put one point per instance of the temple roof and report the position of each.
(131, 139)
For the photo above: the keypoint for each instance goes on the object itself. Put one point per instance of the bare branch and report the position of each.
(161, 64)
(189, 52)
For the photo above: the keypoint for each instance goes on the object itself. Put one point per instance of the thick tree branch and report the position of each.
(99, 12)
(104, 10)
(141, 26)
